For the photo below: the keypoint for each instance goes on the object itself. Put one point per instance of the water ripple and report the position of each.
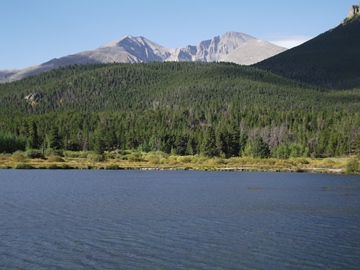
(177, 220)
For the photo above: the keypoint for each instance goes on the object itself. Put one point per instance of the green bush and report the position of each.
(282, 151)
(121, 156)
(50, 151)
(216, 161)
(53, 167)
(18, 156)
(135, 157)
(297, 161)
(200, 159)
(66, 167)
(75, 154)
(185, 159)
(161, 154)
(34, 153)
(236, 161)
(124, 152)
(154, 160)
(54, 158)
(23, 166)
(95, 157)
(353, 166)
(112, 167)
(110, 155)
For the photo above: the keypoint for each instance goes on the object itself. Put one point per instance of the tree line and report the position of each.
(211, 109)
(255, 134)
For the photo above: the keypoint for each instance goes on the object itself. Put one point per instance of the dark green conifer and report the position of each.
(34, 141)
(260, 149)
(55, 139)
(208, 144)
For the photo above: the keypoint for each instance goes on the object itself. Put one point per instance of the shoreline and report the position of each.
(195, 163)
(260, 168)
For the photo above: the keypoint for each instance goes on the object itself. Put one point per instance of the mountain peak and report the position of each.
(125, 39)
(232, 34)
(130, 49)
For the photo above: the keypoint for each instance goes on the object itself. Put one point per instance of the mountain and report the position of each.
(331, 59)
(231, 47)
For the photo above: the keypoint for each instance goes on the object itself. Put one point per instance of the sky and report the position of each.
(35, 31)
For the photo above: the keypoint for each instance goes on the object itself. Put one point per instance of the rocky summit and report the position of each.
(231, 47)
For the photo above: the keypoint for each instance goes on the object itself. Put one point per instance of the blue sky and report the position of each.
(35, 31)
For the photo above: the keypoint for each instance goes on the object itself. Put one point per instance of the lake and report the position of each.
(65, 219)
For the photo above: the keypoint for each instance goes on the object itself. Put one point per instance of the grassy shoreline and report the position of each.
(162, 161)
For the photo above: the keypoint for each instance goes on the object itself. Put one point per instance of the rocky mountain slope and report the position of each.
(231, 47)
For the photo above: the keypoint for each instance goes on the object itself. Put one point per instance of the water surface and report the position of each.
(58, 219)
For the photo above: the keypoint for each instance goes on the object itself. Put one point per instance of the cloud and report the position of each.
(289, 41)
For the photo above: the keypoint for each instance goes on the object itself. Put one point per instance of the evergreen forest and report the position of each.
(183, 108)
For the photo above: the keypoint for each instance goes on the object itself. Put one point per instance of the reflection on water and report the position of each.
(178, 220)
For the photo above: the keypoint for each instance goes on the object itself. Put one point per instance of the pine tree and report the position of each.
(34, 141)
(189, 147)
(110, 137)
(99, 145)
(242, 143)
(355, 146)
(180, 145)
(260, 149)
(233, 147)
(99, 140)
(208, 144)
(55, 139)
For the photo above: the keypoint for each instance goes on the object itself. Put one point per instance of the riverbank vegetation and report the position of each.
(161, 161)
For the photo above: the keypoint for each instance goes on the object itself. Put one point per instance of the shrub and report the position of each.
(296, 161)
(200, 159)
(154, 160)
(236, 161)
(112, 167)
(163, 161)
(50, 151)
(34, 153)
(95, 157)
(135, 157)
(53, 167)
(328, 163)
(150, 155)
(161, 154)
(18, 156)
(124, 152)
(282, 152)
(23, 166)
(352, 166)
(54, 158)
(216, 161)
(75, 154)
(66, 167)
(184, 159)
(121, 156)
(110, 155)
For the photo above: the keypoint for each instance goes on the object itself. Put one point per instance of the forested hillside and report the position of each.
(331, 60)
(187, 108)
